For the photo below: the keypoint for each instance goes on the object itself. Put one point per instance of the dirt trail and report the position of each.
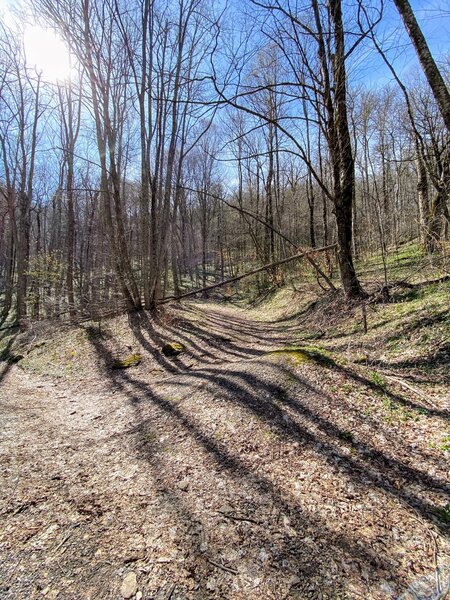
(239, 470)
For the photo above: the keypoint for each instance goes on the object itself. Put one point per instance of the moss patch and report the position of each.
(294, 355)
(129, 361)
(298, 355)
(173, 349)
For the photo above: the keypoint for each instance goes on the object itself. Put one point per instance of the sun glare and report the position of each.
(47, 53)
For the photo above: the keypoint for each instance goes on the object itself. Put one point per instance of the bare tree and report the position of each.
(432, 73)
(312, 41)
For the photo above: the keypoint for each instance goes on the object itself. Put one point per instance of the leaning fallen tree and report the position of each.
(305, 254)
(259, 219)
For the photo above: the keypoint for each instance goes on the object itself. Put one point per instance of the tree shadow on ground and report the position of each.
(268, 401)
(378, 470)
(203, 342)
(427, 363)
(222, 344)
(223, 460)
(381, 389)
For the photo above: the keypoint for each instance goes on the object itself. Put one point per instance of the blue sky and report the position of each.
(434, 19)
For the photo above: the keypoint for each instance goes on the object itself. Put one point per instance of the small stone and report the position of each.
(129, 585)
(183, 485)
(190, 583)
(226, 508)
(138, 595)
(211, 584)
(263, 555)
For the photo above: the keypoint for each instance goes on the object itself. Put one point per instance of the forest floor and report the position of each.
(254, 464)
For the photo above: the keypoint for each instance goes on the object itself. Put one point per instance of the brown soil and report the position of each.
(241, 469)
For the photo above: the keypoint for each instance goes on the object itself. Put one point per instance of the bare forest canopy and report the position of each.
(190, 142)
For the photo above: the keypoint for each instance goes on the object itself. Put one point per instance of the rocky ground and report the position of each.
(246, 467)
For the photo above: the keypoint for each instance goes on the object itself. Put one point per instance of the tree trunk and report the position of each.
(343, 162)
(432, 73)
(435, 222)
(22, 255)
(424, 201)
